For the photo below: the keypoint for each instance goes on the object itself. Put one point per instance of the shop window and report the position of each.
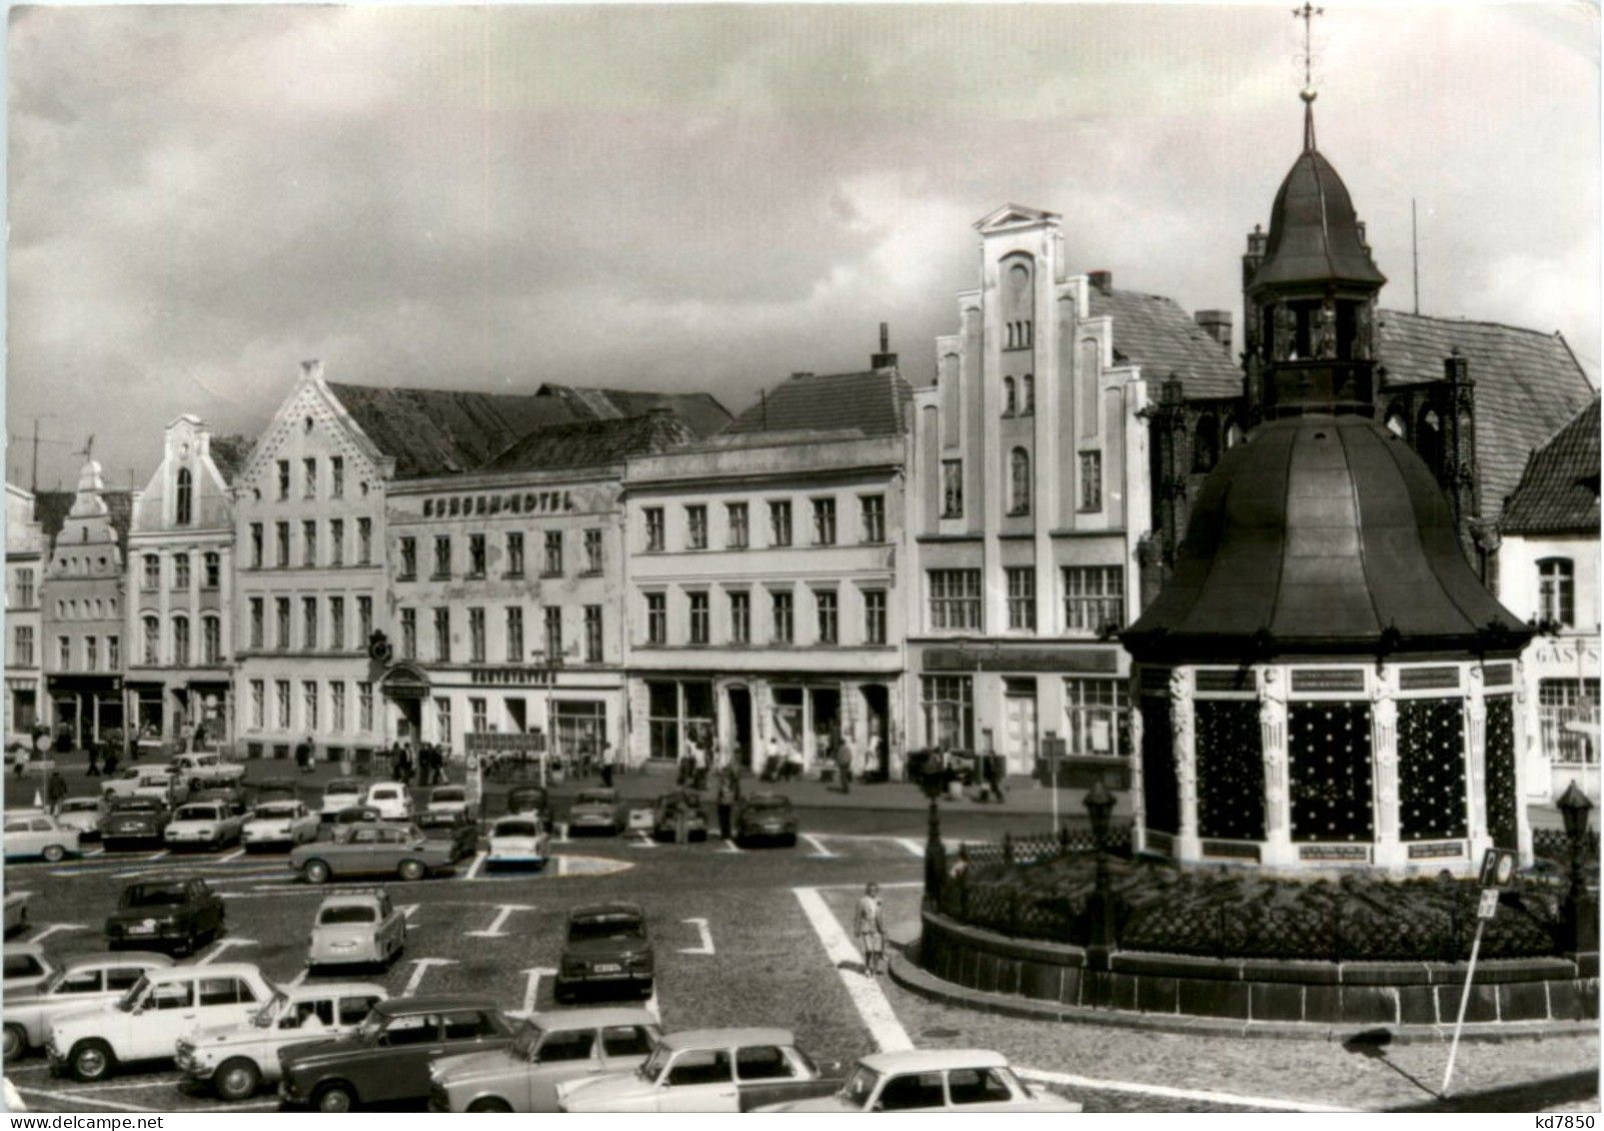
(1431, 769)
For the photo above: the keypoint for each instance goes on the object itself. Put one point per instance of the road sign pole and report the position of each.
(1464, 997)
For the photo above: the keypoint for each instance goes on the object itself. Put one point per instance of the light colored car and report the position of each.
(208, 824)
(279, 823)
(372, 850)
(94, 980)
(27, 967)
(517, 842)
(452, 799)
(596, 811)
(35, 835)
(391, 799)
(200, 771)
(143, 781)
(356, 927)
(83, 814)
(147, 1021)
(932, 1080)
(341, 793)
(707, 1070)
(17, 911)
(553, 1047)
(237, 1060)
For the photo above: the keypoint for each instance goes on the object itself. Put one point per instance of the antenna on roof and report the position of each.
(1414, 245)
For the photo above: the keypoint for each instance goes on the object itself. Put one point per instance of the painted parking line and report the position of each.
(1160, 1091)
(420, 967)
(222, 946)
(504, 911)
(77, 1098)
(157, 1081)
(235, 855)
(871, 1002)
(478, 862)
(532, 978)
(819, 851)
(706, 945)
(731, 846)
(56, 928)
(913, 845)
(408, 910)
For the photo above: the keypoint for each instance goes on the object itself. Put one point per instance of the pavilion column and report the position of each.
(1135, 727)
(1278, 850)
(1188, 845)
(1389, 849)
(1523, 825)
(1476, 765)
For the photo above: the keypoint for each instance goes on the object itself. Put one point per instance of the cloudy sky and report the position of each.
(711, 197)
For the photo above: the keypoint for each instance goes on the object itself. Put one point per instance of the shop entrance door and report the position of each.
(1019, 725)
(741, 751)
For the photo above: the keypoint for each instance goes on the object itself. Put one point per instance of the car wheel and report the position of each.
(237, 1079)
(315, 872)
(334, 1098)
(53, 853)
(91, 1060)
(490, 1104)
(412, 870)
(15, 1042)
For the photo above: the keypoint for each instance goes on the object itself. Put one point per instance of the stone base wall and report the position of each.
(1326, 993)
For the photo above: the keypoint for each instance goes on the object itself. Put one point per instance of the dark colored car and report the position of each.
(357, 815)
(530, 799)
(666, 816)
(606, 949)
(765, 817)
(177, 915)
(456, 829)
(387, 1059)
(134, 821)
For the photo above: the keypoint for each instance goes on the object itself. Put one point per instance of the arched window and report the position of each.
(1009, 406)
(1233, 435)
(1019, 481)
(186, 490)
(153, 637)
(1428, 439)
(180, 642)
(1027, 395)
(1206, 444)
(1556, 591)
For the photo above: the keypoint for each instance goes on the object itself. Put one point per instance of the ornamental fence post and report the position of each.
(1008, 848)
(1063, 840)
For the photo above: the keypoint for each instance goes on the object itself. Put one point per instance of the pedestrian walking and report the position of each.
(998, 766)
(93, 750)
(303, 755)
(56, 790)
(843, 762)
(113, 757)
(726, 802)
(607, 766)
(871, 931)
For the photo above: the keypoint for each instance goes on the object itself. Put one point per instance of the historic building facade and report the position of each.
(25, 549)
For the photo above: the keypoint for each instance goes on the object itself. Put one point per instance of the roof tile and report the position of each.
(1155, 333)
(1558, 493)
(871, 403)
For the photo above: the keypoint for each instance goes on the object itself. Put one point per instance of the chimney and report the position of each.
(1217, 324)
(1102, 280)
(312, 370)
(885, 359)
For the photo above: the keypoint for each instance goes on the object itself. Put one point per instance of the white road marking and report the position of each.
(46, 932)
(93, 852)
(408, 910)
(870, 1000)
(706, 946)
(913, 845)
(653, 1006)
(128, 1086)
(235, 855)
(645, 841)
(562, 865)
(819, 851)
(223, 945)
(731, 846)
(532, 978)
(420, 966)
(504, 911)
(1064, 1079)
(78, 1098)
(478, 862)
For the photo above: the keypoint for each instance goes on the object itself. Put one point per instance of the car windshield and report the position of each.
(515, 828)
(84, 805)
(265, 1016)
(527, 1041)
(596, 797)
(276, 809)
(450, 793)
(860, 1087)
(340, 787)
(196, 813)
(154, 895)
(350, 913)
(140, 805)
(606, 927)
(135, 992)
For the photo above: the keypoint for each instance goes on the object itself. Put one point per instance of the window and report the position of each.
(64, 652)
(949, 711)
(626, 1040)
(977, 1086)
(1567, 714)
(211, 640)
(309, 703)
(515, 553)
(1091, 481)
(763, 1062)
(337, 705)
(478, 715)
(309, 623)
(336, 541)
(153, 634)
(153, 572)
(593, 551)
(337, 623)
(336, 477)
(181, 575)
(309, 542)
(784, 614)
(180, 641)
(442, 635)
(364, 541)
(873, 516)
(476, 555)
(1094, 721)
(698, 617)
(1027, 395)
(281, 693)
(827, 606)
(256, 623)
(1010, 403)
(735, 534)
(283, 531)
(696, 527)
(824, 522)
(309, 477)
(23, 650)
(281, 616)
(780, 523)
(1019, 481)
(283, 479)
(955, 599)
(114, 658)
(409, 559)
(256, 545)
(25, 592)
(740, 617)
(442, 721)
(213, 566)
(654, 529)
(952, 488)
(593, 634)
(442, 555)
(656, 618)
(258, 704)
(554, 632)
(171, 995)
(476, 636)
(874, 616)
(554, 554)
(1556, 591)
(364, 706)
(364, 620)
(700, 1066)
(183, 510)
(556, 1048)
(515, 634)
(1022, 597)
(1094, 597)
(91, 653)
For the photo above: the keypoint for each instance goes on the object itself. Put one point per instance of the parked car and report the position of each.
(179, 914)
(454, 829)
(665, 816)
(388, 1057)
(17, 911)
(153, 781)
(274, 789)
(88, 981)
(204, 824)
(517, 842)
(606, 948)
(200, 771)
(83, 814)
(279, 824)
(355, 815)
(26, 968)
(358, 927)
(451, 800)
(708, 1070)
(147, 1021)
(238, 1059)
(596, 811)
(935, 1080)
(765, 817)
(391, 799)
(341, 793)
(552, 1048)
(35, 835)
(372, 850)
(134, 821)
(529, 799)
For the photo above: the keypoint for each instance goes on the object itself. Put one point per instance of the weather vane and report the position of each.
(89, 448)
(1307, 13)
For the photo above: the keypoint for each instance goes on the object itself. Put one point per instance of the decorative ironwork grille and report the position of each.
(1160, 791)
(1501, 797)
(1230, 770)
(1431, 769)
(1331, 772)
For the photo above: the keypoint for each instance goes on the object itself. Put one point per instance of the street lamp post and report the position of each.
(935, 851)
(1581, 925)
(1100, 806)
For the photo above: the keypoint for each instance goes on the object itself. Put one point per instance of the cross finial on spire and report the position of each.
(89, 448)
(1307, 13)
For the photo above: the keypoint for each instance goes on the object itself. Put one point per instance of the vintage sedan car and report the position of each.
(372, 850)
(153, 781)
(454, 829)
(200, 771)
(596, 811)
(279, 824)
(354, 815)
(341, 793)
(935, 1080)
(451, 800)
(391, 799)
(606, 949)
(27, 968)
(178, 914)
(387, 1059)
(31, 835)
(708, 1070)
(204, 824)
(16, 904)
(356, 927)
(765, 817)
(529, 799)
(666, 814)
(237, 1060)
(517, 842)
(147, 1021)
(552, 1048)
(89, 981)
(134, 822)
(83, 814)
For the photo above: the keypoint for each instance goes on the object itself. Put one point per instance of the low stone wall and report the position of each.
(1357, 993)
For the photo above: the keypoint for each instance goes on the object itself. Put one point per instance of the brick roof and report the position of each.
(50, 511)
(1528, 386)
(701, 412)
(1558, 492)
(588, 443)
(1154, 332)
(869, 402)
